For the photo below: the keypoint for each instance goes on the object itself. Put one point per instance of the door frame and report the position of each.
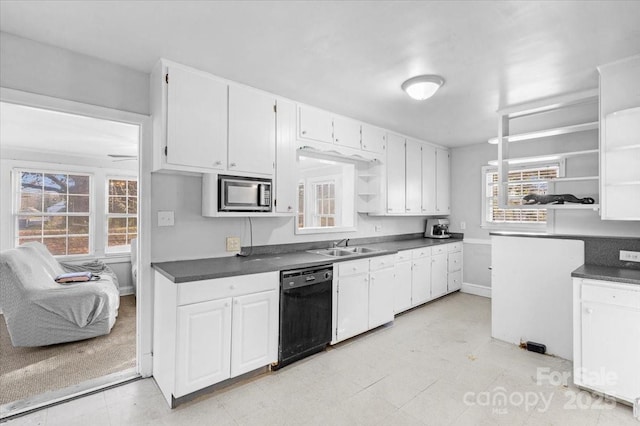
(144, 296)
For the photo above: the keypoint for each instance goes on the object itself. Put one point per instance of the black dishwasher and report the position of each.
(305, 312)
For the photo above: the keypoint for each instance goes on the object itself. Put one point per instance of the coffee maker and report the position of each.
(437, 228)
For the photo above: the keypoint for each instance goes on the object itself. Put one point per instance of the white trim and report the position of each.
(477, 241)
(144, 324)
(125, 291)
(476, 289)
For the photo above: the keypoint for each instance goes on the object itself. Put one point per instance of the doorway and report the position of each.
(48, 144)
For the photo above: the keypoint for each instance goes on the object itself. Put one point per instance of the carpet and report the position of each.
(26, 372)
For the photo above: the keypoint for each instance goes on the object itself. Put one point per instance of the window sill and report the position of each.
(512, 227)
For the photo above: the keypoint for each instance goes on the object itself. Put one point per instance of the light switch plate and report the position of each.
(165, 218)
(233, 244)
(630, 256)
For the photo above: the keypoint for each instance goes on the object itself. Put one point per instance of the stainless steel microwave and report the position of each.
(244, 194)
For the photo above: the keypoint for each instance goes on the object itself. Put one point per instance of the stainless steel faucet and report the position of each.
(346, 243)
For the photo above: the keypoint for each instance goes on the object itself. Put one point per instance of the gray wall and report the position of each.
(466, 188)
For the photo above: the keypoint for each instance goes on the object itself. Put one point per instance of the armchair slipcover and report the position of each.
(38, 311)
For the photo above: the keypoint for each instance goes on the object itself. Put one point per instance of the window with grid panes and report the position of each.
(122, 213)
(325, 204)
(531, 180)
(54, 209)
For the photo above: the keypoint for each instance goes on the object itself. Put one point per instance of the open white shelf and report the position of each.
(543, 158)
(567, 206)
(583, 127)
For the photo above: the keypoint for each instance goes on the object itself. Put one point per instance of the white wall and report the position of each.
(48, 70)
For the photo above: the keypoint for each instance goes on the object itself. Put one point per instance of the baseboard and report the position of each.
(477, 289)
(125, 291)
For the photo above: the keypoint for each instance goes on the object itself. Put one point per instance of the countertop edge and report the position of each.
(607, 273)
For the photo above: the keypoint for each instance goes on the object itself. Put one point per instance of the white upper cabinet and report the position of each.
(620, 140)
(315, 124)
(374, 139)
(413, 164)
(429, 188)
(189, 110)
(395, 174)
(346, 132)
(252, 131)
(286, 185)
(443, 182)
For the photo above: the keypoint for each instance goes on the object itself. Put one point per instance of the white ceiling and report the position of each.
(351, 56)
(40, 130)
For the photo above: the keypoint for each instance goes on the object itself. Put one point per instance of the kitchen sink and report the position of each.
(345, 251)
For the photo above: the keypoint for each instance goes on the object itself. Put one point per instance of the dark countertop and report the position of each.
(608, 273)
(559, 236)
(203, 269)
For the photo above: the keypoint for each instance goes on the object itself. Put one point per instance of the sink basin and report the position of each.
(345, 251)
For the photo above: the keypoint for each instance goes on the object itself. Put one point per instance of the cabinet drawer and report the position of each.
(200, 291)
(421, 252)
(454, 281)
(353, 267)
(454, 247)
(403, 256)
(382, 262)
(614, 294)
(455, 261)
(438, 249)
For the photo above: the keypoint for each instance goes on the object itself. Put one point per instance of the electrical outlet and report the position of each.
(233, 243)
(378, 228)
(165, 218)
(630, 256)
(463, 225)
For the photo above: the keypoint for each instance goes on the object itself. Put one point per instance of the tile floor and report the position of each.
(436, 365)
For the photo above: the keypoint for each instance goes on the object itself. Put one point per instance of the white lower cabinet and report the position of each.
(606, 337)
(203, 345)
(363, 295)
(211, 330)
(402, 290)
(425, 274)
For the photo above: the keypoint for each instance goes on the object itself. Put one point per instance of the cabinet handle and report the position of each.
(289, 208)
(232, 164)
(236, 302)
(337, 140)
(232, 287)
(304, 132)
(226, 305)
(364, 146)
(589, 310)
(217, 163)
(355, 268)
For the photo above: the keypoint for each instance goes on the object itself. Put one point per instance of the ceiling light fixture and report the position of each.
(423, 86)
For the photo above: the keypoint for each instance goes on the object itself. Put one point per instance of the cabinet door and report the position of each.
(395, 174)
(315, 124)
(285, 197)
(402, 291)
(454, 281)
(611, 349)
(196, 119)
(420, 280)
(381, 297)
(346, 132)
(374, 139)
(254, 342)
(438, 275)
(353, 304)
(203, 345)
(428, 179)
(443, 181)
(252, 131)
(413, 163)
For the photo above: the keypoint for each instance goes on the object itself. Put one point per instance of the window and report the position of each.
(122, 213)
(325, 204)
(530, 180)
(54, 209)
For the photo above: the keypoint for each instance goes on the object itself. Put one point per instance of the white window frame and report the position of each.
(125, 249)
(510, 226)
(16, 183)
